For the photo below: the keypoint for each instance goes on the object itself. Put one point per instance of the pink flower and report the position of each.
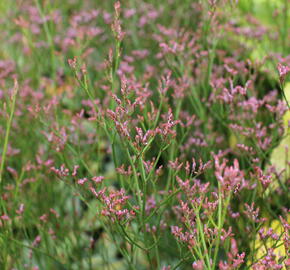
(75, 170)
(43, 218)
(198, 265)
(283, 71)
(72, 63)
(36, 241)
(4, 217)
(98, 179)
(20, 209)
(82, 181)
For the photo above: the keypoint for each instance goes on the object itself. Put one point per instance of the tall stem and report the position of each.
(8, 127)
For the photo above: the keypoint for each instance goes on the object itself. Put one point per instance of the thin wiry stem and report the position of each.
(8, 127)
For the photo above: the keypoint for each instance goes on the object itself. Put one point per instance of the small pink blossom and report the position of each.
(82, 181)
(198, 265)
(98, 179)
(283, 71)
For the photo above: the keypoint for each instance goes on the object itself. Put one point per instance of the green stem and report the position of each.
(285, 28)
(222, 210)
(173, 147)
(8, 127)
(201, 232)
(48, 37)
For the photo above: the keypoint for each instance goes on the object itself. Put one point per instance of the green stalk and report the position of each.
(49, 38)
(172, 150)
(38, 250)
(284, 96)
(222, 210)
(8, 127)
(285, 27)
(201, 228)
(135, 178)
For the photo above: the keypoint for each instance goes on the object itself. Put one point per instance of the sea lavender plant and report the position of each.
(144, 134)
